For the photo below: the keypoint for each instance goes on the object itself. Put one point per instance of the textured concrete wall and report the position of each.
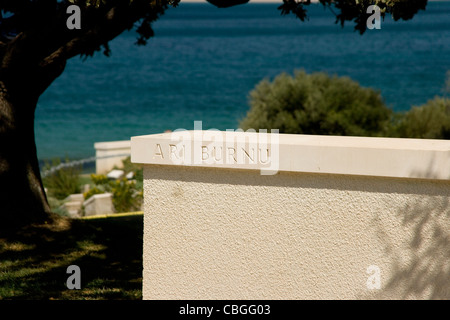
(215, 233)
(233, 215)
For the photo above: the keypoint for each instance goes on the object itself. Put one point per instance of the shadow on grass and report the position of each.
(34, 260)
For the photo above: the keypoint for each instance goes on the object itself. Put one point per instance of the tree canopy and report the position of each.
(44, 21)
(317, 103)
(356, 10)
(429, 121)
(321, 104)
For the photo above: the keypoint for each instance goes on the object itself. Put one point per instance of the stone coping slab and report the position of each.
(272, 152)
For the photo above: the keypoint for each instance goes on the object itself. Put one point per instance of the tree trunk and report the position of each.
(22, 197)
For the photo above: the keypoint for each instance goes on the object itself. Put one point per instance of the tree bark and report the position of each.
(22, 197)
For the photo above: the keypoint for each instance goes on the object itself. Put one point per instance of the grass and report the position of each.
(108, 250)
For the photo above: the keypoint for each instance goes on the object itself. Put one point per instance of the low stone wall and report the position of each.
(273, 216)
(99, 204)
(110, 154)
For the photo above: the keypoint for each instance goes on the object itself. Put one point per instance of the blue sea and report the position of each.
(204, 61)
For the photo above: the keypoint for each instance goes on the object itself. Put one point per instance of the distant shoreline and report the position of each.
(254, 1)
(278, 1)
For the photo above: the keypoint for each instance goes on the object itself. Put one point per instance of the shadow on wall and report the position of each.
(420, 263)
(428, 272)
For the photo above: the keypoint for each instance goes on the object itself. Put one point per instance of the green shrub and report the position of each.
(92, 191)
(63, 182)
(429, 121)
(126, 196)
(99, 179)
(128, 166)
(317, 104)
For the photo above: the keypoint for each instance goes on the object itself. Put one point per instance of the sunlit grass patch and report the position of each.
(33, 262)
